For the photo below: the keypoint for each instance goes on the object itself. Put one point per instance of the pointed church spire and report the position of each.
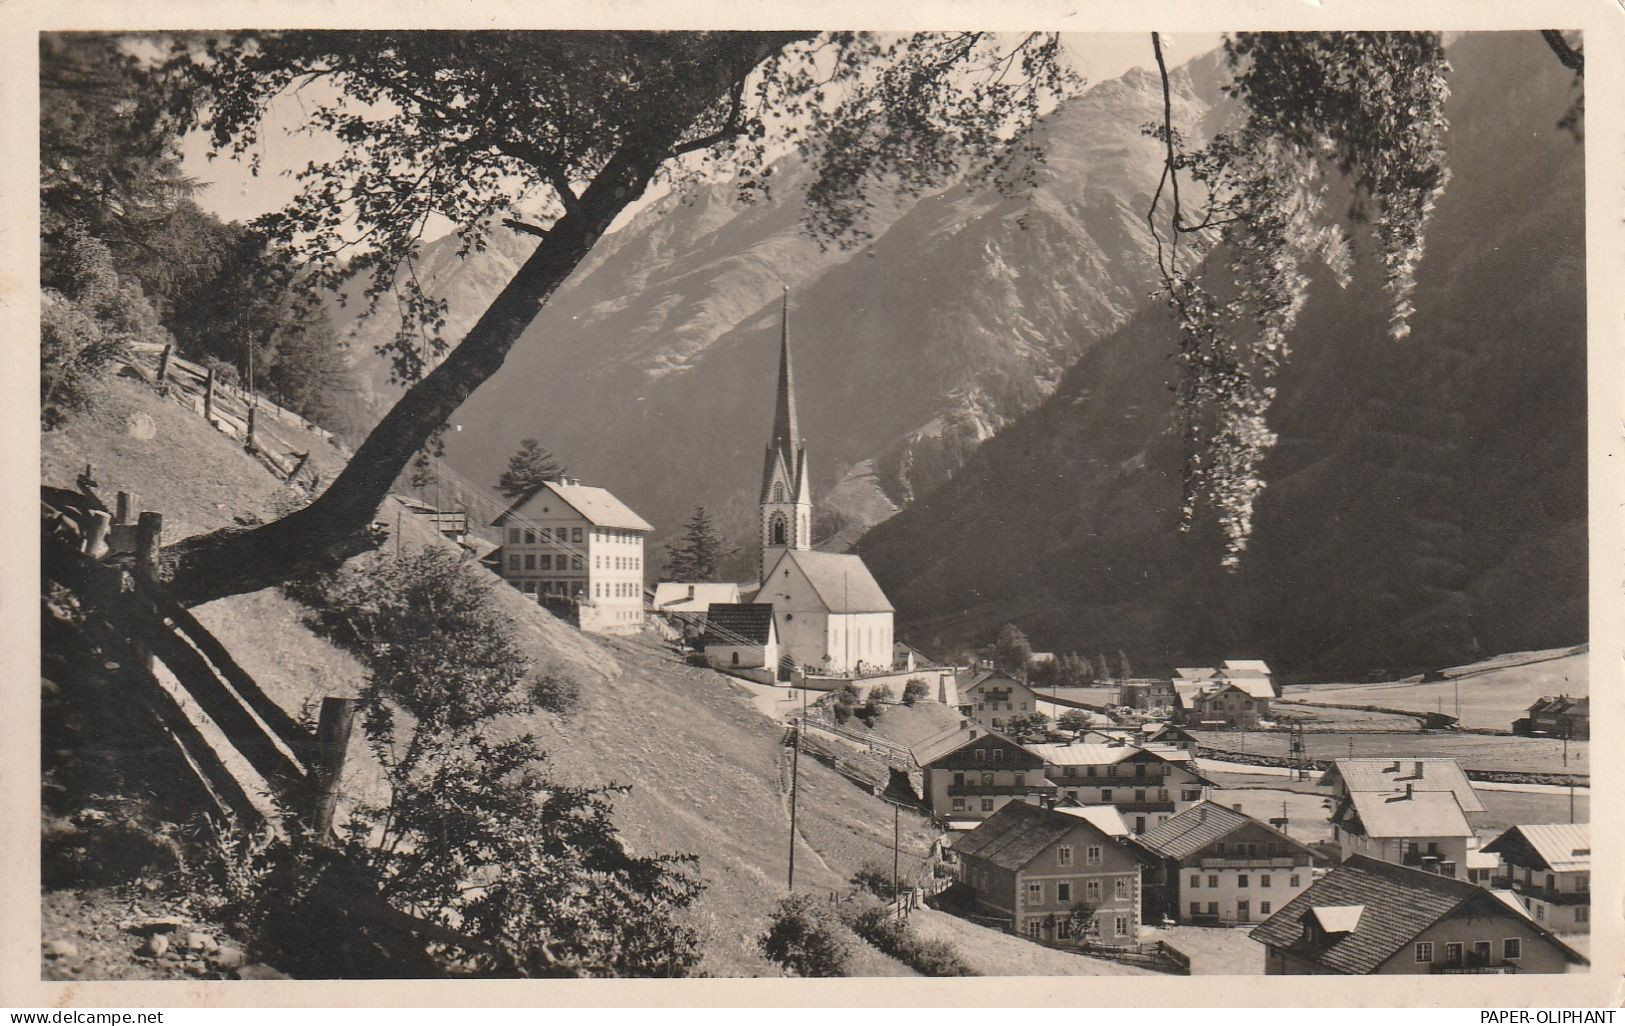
(786, 434)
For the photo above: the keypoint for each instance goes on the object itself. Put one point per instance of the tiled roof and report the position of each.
(1018, 833)
(1552, 706)
(840, 579)
(1256, 687)
(1106, 817)
(1416, 814)
(1195, 672)
(1201, 825)
(1082, 755)
(1564, 847)
(1397, 904)
(1387, 774)
(735, 623)
(949, 741)
(676, 594)
(597, 505)
(1249, 666)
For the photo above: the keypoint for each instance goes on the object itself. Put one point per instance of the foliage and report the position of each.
(1012, 653)
(1073, 720)
(1080, 919)
(699, 555)
(1367, 105)
(874, 879)
(1023, 725)
(473, 835)
(1124, 669)
(879, 925)
(915, 689)
(882, 694)
(528, 468)
(1072, 670)
(804, 937)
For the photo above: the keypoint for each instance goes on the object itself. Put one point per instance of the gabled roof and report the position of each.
(1255, 687)
(1559, 847)
(1337, 918)
(1106, 817)
(695, 596)
(597, 505)
(729, 623)
(1402, 814)
(947, 742)
(983, 678)
(1201, 825)
(1019, 832)
(1396, 904)
(1248, 666)
(1085, 754)
(1559, 704)
(1388, 774)
(1194, 672)
(840, 580)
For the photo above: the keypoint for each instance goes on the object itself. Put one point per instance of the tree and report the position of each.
(1103, 670)
(1072, 670)
(446, 124)
(1080, 920)
(915, 689)
(1073, 720)
(1025, 725)
(528, 469)
(804, 937)
(1011, 652)
(698, 557)
(1124, 670)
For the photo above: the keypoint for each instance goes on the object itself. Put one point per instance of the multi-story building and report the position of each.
(1389, 774)
(1373, 917)
(1559, 716)
(569, 544)
(1148, 785)
(970, 774)
(1422, 829)
(1053, 876)
(1548, 866)
(1217, 865)
(991, 698)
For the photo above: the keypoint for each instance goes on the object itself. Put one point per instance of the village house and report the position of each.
(1548, 867)
(1558, 716)
(1422, 829)
(684, 599)
(1370, 917)
(1215, 865)
(970, 773)
(740, 637)
(991, 698)
(569, 544)
(1348, 776)
(1036, 867)
(1144, 693)
(1147, 785)
(1223, 704)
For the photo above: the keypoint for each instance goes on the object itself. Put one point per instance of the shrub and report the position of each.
(880, 926)
(882, 694)
(916, 690)
(874, 878)
(804, 937)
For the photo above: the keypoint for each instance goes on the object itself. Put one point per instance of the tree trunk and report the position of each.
(339, 524)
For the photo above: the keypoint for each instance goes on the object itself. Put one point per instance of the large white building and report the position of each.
(566, 541)
(828, 611)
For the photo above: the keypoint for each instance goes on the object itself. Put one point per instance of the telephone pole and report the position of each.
(795, 778)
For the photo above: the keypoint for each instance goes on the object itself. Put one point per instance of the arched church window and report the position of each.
(776, 530)
(778, 491)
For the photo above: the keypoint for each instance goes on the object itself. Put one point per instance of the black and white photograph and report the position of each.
(527, 500)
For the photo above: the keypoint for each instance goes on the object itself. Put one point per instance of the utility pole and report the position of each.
(896, 848)
(795, 780)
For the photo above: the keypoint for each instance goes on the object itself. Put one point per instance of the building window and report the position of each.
(1196, 908)
(1035, 894)
(1088, 771)
(1213, 879)
(959, 805)
(1021, 780)
(1452, 953)
(1264, 880)
(1241, 879)
(1063, 893)
(1582, 913)
(987, 805)
(1196, 881)
(1512, 949)
(1424, 951)
(575, 562)
(1139, 794)
(530, 536)
(1540, 913)
(1105, 794)
(998, 755)
(1091, 855)
(1122, 926)
(1219, 848)
(980, 755)
(1063, 855)
(547, 562)
(1091, 891)
(530, 561)
(1122, 889)
(1069, 771)
(1189, 795)
(1063, 926)
(1035, 927)
(1293, 880)
(1212, 908)
(513, 563)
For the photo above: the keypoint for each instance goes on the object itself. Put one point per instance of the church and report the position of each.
(829, 614)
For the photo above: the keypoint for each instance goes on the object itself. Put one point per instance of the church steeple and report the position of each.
(786, 495)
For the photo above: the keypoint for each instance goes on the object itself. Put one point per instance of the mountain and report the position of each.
(651, 371)
(1426, 503)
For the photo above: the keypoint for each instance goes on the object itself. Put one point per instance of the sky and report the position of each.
(232, 193)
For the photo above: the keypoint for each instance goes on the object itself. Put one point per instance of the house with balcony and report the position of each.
(1423, 830)
(1556, 716)
(1219, 703)
(1212, 865)
(1148, 784)
(971, 773)
(1052, 876)
(1369, 917)
(1548, 867)
(991, 698)
(1348, 776)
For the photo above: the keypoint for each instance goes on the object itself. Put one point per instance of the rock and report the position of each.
(148, 925)
(258, 971)
(196, 941)
(229, 958)
(155, 945)
(61, 949)
(142, 426)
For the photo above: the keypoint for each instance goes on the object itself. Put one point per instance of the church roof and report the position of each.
(786, 458)
(840, 579)
(738, 623)
(597, 505)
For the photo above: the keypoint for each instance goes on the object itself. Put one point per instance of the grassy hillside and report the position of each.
(703, 765)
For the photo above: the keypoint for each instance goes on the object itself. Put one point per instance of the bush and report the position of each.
(874, 878)
(880, 926)
(805, 938)
(916, 690)
(882, 694)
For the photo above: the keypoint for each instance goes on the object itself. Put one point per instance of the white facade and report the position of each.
(817, 626)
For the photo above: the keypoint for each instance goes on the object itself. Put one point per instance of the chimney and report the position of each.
(1419, 765)
(1409, 793)
(691, 591)
(1395, 767)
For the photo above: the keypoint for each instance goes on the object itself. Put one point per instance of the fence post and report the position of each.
(332, 742)
(163, 367)
(124, 505)
(149, 542)
(208, 396)
(96, 531)
(249, 444)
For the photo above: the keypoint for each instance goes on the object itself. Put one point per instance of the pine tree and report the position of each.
(1012, 653)
(699, 555)
(528, 469)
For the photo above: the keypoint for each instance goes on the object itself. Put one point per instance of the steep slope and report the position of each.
(651, 371)
(1426, 503)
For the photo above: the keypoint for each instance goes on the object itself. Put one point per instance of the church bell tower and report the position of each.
(786, 495)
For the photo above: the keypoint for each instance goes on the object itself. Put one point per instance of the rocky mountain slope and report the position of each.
(1426, 503)
(652, 371)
